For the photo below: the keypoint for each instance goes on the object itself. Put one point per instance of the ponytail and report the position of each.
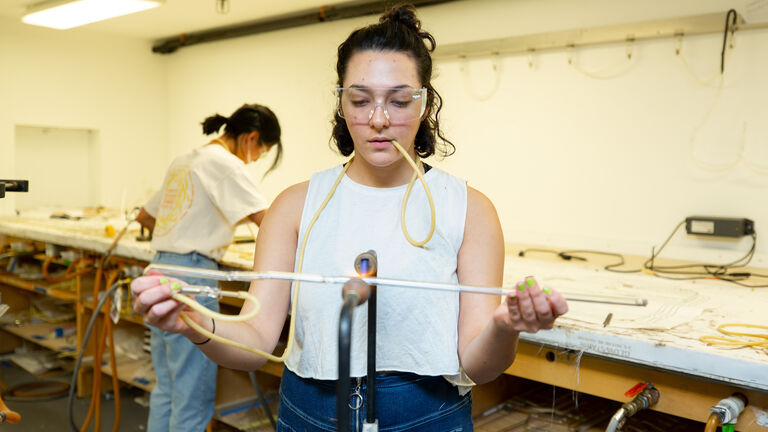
(213, 123)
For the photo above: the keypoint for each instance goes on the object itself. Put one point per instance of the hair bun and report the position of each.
(403, 14)
(406, 15)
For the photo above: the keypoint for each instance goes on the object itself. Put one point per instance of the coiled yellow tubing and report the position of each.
(738, 339)
(294, 298)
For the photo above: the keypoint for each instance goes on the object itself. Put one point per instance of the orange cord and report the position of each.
(94, 410)
(96, 394)
(115, 383)
(95, 405)
(69, 274)
(10, 416)
(96, 287)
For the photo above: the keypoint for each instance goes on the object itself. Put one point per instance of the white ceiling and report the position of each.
(184, 16)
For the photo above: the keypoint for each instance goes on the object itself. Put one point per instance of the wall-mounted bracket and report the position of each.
(13, 186)
(713, 23)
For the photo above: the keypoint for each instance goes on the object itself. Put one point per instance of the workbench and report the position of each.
(590, 352)
(586, 351)
(93, 235)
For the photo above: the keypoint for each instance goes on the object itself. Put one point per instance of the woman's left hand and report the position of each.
(529, 308)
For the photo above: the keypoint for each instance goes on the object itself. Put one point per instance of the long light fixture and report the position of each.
(65, 14)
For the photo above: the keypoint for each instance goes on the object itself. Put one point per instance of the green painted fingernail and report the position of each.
(530, 281)
(175, 286)
(547, 290)
(521, 286)
(163, 280)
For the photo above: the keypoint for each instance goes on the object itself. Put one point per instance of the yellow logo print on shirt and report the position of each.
(178, 194)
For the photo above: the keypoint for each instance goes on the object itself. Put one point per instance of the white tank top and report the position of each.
(417, 330)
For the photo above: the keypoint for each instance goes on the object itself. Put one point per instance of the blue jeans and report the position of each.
(404, 402)
(184, 395)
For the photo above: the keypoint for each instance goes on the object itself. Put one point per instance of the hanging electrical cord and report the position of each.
(755, 168)
(222, 6)
(749, 160)
(73, 385)
(607, 73)
(707, 166)
(466, 75)
(115, 382)
(94, 410)
(681, 56)
(730, 23)
(98, 303)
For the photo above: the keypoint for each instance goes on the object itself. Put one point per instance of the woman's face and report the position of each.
(379, 78)
(252, 149)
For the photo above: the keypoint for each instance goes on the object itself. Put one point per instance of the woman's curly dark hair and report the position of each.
(397, 30)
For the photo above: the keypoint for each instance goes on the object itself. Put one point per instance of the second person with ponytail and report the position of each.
(206, 193)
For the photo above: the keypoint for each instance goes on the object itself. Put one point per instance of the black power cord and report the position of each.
(722, 272)
(80, 353)
(570, 255)
(719, 271)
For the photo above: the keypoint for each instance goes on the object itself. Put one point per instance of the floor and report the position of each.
(541, 408)
(51, 414)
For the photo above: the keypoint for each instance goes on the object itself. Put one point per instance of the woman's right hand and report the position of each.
(152, 299)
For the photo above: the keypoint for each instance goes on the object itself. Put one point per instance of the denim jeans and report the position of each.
(183, 397)
(404, 402)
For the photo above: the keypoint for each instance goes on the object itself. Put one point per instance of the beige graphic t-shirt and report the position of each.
(206, 192)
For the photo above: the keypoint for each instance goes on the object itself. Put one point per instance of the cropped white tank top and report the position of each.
(417, 330)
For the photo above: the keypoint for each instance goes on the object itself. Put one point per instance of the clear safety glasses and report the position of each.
(400, 104)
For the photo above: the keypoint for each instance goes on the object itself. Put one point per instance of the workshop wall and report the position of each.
(78, 79)
(610, 161)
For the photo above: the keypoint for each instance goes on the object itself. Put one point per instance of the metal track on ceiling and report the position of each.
(324, 14)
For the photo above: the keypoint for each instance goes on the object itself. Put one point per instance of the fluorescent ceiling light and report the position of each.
(72, 13)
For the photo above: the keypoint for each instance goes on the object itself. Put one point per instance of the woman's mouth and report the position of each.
(380, 143)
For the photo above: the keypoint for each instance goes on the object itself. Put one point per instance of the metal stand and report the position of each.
(345, 337)
(356, 292)
(367, 266)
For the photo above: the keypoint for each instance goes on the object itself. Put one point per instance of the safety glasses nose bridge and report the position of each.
(383, 106)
